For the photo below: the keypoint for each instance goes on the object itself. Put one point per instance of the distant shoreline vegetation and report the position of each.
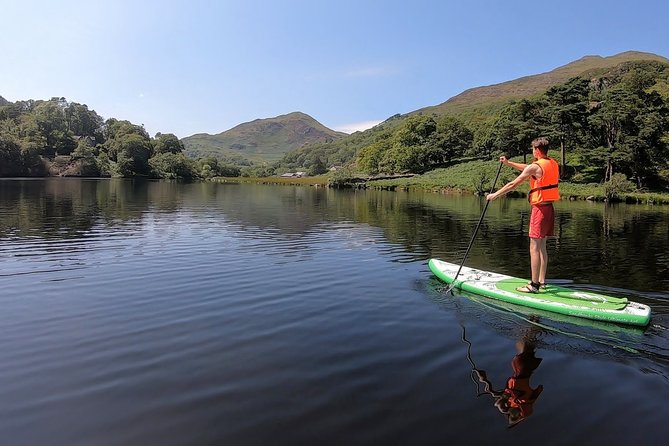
(60, 138)
(452, 181)
(318, 181)
(608, 126)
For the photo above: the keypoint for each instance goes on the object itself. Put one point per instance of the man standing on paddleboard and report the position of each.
(544, 175)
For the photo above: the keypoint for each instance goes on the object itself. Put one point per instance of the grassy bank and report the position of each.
(474, 177)
(477, 177)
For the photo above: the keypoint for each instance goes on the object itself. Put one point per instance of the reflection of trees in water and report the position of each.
(592, 239)
(60, 208)
(282, 210)
(64, 207)
(45, 208)
(622, 241)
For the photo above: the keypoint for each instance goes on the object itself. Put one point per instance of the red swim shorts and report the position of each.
(542, 220)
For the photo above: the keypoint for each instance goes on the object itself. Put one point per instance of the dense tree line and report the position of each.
(606, 124)
(618, 123)
(421, 144)
(611, 124)
(57, 137)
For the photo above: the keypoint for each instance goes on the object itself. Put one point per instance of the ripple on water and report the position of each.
(209, 320)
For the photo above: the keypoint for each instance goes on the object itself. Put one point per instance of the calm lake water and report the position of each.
(157, 313)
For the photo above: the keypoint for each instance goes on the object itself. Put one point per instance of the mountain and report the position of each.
(588, 66)
(4, 101)
(261, 139)
(475, 105)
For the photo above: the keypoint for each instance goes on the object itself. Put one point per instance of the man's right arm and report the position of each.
(530, 169)
(518, 166)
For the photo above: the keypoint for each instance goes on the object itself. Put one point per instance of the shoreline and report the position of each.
(569, 191)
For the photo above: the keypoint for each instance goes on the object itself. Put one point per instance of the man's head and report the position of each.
(540, 144)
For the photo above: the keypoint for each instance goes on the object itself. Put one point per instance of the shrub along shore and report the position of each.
(568, 191)
(474, 177)
(477, 177)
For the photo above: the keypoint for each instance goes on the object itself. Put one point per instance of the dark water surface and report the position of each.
(155, 313)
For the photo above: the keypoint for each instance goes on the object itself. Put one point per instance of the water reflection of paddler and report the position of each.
(519, 396)
(516, 401)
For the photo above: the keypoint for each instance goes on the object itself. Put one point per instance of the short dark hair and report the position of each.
(541, 143)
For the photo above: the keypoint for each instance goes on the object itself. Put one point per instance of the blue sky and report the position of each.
(197, 66)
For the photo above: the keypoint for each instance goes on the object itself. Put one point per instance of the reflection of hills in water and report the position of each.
(648, 347)
(59, 208)
(619, 247)
(594, 242)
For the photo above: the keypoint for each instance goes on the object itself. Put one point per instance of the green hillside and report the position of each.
(524, 87)
(261, 139)
(477, 108)
(607, 119)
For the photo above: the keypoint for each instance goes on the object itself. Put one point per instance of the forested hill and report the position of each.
(605, 116)
(261, 139)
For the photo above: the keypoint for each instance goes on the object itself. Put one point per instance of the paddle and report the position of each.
(471, 242)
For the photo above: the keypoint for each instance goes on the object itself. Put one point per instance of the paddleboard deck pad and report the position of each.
(551, 298)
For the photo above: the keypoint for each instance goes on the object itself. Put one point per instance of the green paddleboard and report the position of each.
(553, 298)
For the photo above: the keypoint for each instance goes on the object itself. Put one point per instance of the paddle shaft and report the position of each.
(471, 242)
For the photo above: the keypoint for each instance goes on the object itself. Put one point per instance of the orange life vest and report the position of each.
(545, 189)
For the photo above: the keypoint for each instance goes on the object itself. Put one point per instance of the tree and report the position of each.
(483, 140)
(172, 166)
(369, 158)
(613, 122)
(132, 155)
(105, 165)
(650, 154)
(616, 186)
(317, 168)
(263, 170)
(226, 170)
(84, 155)
(32, 140)
(11, 162)
(519, 123)
(50, 120)
(412, 146)
(566, 114)
(129, 146)
(167, 143)
(420, 144)
(211, 167)
(454, 138)
(83, 122)
(113, 128)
